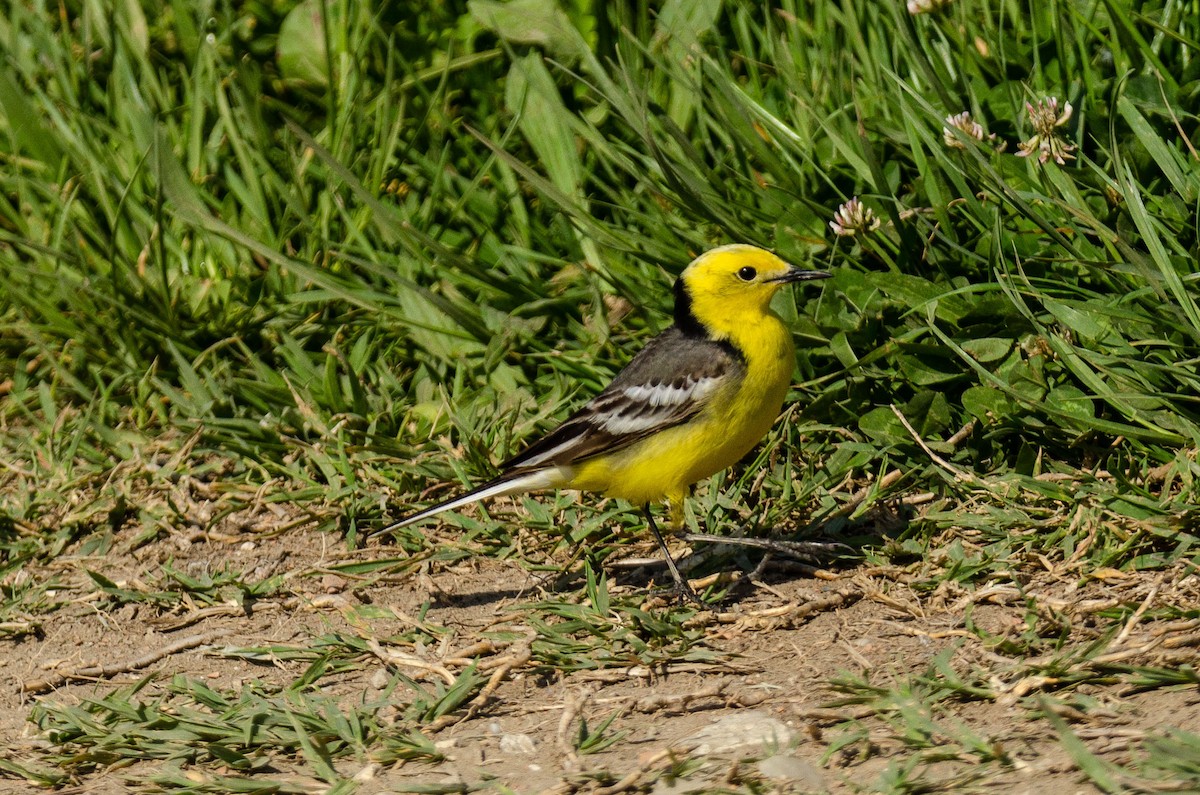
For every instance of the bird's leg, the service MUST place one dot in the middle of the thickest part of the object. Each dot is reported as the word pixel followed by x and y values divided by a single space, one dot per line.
pixel 681 585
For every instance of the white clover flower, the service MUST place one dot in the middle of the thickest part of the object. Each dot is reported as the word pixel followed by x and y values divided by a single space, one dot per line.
pixel 926 6
pixel 969 127
pixel 1045 118
pixel 964 123
pixel 852 218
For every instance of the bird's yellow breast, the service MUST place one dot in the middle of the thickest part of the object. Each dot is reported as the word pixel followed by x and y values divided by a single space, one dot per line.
pixel 735 419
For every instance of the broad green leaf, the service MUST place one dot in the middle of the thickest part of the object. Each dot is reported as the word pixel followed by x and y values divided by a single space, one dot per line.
pixel 988 349
pixel 882 425
pixel 929 413
pixel 1072 402
pixel 301 50
pixel 987 404
pixel 924 365
pixel 1078 320
pixel 532 96
pixel 542 23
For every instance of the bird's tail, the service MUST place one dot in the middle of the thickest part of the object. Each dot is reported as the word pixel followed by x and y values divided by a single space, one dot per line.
pixel 501 486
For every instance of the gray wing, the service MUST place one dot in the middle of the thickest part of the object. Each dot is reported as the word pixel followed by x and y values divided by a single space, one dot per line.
pixel 667 383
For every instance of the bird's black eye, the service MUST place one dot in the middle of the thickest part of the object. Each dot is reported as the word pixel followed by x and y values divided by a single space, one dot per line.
pixel 747 274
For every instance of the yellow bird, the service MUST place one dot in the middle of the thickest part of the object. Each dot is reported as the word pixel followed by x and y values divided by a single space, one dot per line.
pixel 695 400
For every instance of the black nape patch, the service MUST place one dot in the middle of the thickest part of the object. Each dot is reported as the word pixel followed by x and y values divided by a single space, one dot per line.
pixel 685 320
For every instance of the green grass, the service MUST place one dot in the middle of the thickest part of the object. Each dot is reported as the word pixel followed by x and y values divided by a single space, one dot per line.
pixel 230 297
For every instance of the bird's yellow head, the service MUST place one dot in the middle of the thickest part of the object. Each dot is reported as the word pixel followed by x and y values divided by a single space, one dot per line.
pixel 731 286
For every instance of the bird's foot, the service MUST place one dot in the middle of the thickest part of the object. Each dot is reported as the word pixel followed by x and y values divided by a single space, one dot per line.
pixel 683 592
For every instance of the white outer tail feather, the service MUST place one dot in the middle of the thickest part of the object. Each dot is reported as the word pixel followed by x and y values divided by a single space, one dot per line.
pixel 538 479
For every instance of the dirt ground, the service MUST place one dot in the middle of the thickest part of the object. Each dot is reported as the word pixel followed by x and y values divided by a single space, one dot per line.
pixel 769 653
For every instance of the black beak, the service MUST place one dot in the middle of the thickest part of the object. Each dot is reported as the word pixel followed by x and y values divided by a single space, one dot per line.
pixel 798 275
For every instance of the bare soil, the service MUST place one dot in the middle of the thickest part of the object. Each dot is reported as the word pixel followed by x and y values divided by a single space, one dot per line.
pixel 771 651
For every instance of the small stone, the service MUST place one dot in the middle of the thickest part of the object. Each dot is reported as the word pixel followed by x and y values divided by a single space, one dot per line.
pixel 517 744
pixel 670 785
pixel 332 583
pixel 750 732
pixel 789 768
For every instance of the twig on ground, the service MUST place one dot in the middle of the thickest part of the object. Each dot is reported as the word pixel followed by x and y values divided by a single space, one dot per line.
pixel 91 672
pixel 469 654
pixel 400 659
pixel 632 780
pixel 790 615
pixel 645 672
pixel 860 496
pixel 679 702
pixel 1182 641
pixel 963 433
pixel 829 715
pixel 173 623
pixel 572 706
pixel 1137 614
pixel 716 578
pixel 520 656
